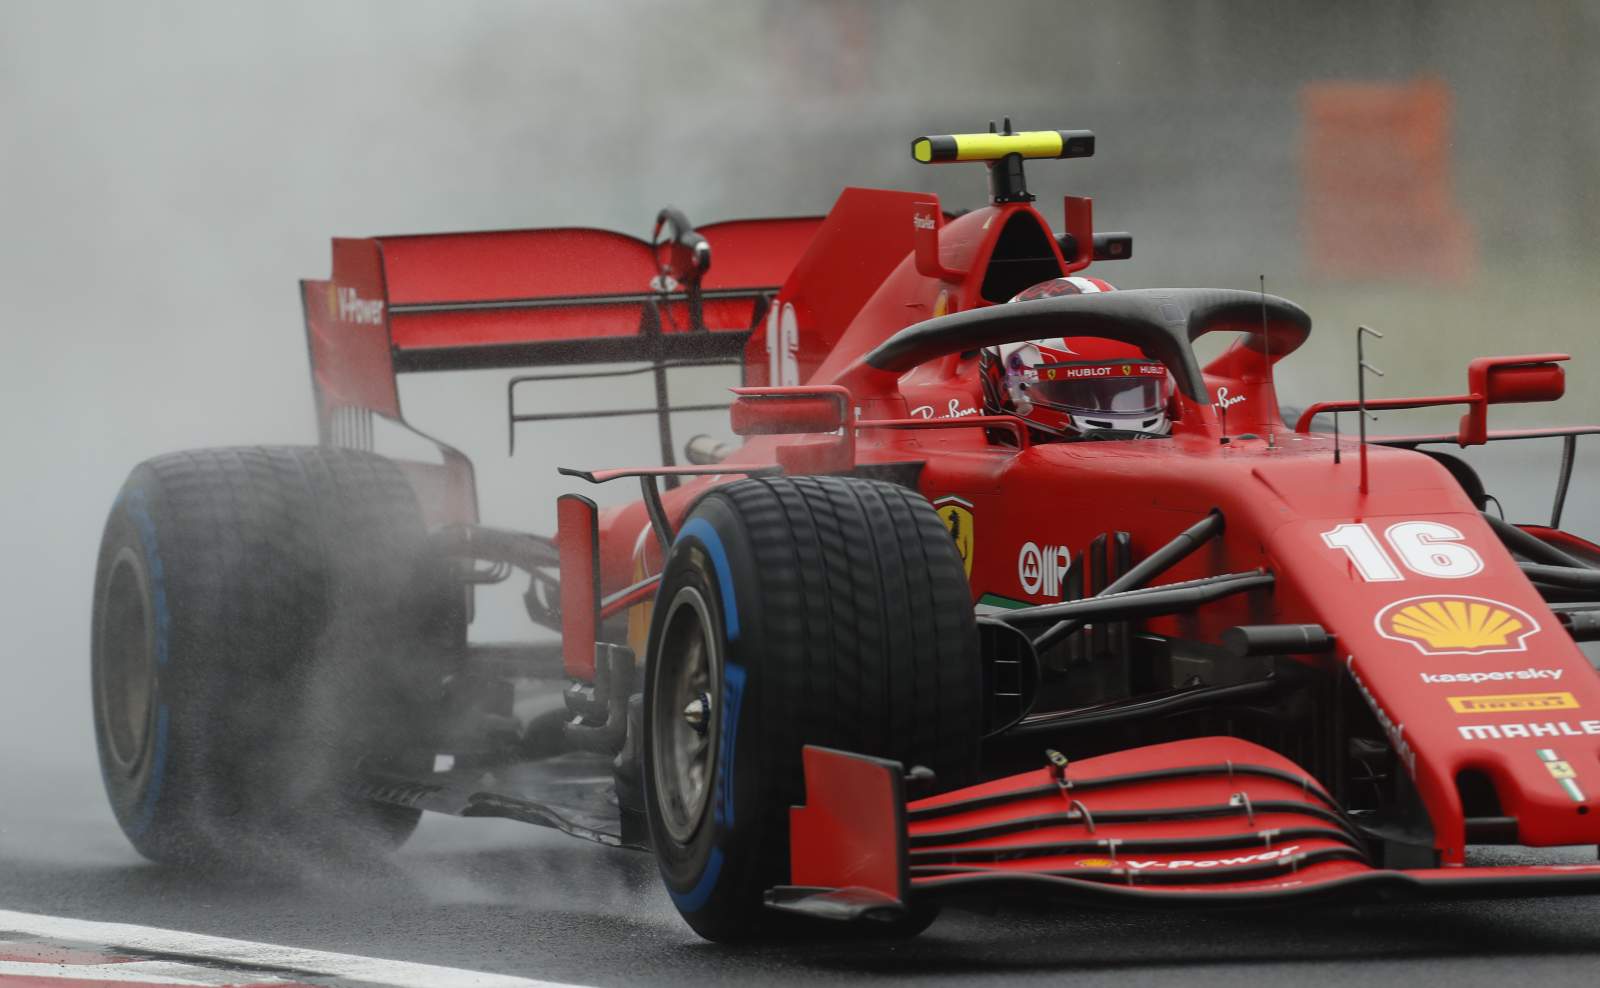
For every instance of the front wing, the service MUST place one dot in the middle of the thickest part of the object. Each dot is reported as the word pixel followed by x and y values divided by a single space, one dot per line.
pixel 1207 822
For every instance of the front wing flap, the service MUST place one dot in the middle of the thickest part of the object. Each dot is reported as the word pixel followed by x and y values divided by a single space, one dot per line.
pixel 1208 821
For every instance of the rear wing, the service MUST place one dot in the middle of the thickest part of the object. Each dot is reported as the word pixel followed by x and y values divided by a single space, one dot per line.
pixel 529 298
pixel 523 298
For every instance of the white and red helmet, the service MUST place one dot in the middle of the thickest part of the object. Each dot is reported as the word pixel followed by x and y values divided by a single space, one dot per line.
pixel 1082 384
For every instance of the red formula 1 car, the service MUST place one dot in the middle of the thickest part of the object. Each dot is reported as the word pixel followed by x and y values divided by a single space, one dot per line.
pixel 995 597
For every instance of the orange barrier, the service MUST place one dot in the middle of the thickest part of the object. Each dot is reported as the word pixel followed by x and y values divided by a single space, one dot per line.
pixel 1377 194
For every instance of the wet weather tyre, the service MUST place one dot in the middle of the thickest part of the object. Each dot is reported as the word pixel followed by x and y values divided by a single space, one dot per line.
pixel 264 620
pixel 792 611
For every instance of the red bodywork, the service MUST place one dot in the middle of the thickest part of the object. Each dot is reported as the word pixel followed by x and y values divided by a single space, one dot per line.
pixel 1406 575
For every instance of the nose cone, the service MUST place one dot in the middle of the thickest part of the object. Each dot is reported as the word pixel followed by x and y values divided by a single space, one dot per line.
pixel 1469 674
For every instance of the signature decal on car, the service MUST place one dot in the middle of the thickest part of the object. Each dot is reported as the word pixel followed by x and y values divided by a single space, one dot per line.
pixel 954 410
pixel 1456 625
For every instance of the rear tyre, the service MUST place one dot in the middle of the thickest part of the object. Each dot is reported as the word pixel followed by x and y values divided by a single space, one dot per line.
pixel 792 611
pixel 265 619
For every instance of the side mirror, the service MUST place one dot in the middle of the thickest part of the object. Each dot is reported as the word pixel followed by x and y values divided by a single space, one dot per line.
pixel 1113 246
pixel 823 416
pixel 787 411
pixel 1106 247
pixel 1508 381
pixel 1508 384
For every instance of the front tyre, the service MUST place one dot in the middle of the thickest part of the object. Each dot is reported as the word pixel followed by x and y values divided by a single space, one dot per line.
pixel 792 611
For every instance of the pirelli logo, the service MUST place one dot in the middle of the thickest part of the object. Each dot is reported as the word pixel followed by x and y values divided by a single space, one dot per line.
pixel 1506 702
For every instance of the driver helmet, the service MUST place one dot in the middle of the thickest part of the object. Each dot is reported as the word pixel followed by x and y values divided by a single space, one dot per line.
pixel 1082 384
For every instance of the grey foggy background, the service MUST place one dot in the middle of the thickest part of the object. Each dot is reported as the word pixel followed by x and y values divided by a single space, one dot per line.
pixel 168 170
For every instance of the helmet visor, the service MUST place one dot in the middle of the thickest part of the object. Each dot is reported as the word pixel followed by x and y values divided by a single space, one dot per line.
pixel 1117 388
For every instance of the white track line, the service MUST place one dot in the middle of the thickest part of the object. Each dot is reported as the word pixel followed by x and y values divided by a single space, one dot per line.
pixel 145 939
pixel 164 973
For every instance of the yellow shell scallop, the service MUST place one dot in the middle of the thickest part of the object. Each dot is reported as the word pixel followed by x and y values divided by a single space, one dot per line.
pixel 1452 624
pixel 1447 623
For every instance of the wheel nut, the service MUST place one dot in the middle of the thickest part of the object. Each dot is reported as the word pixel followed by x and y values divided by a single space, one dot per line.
pixel 697 712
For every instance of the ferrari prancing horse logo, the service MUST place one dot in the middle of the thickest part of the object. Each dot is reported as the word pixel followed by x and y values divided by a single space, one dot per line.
pixel 957 515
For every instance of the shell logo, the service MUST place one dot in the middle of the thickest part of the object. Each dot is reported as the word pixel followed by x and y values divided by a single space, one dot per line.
pixel 1456 625
pixel 1096 863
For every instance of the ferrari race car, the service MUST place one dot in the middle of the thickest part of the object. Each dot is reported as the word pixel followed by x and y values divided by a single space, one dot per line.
pixel 899 645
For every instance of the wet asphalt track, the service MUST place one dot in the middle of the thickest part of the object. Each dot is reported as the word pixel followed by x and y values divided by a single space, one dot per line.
pixel 498 896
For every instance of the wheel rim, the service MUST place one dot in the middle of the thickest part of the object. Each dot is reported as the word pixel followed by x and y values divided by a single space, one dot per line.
pixel 685 715
pixel 127 663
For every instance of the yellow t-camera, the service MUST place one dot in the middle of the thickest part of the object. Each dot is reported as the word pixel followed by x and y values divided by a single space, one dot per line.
pixel 943 148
